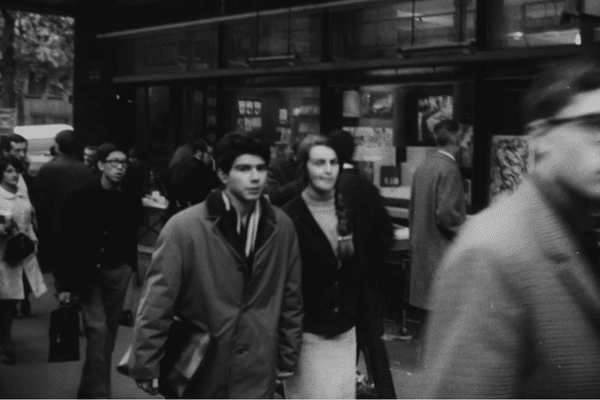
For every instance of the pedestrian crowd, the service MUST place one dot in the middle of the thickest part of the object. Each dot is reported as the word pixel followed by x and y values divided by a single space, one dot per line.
pixel 264 279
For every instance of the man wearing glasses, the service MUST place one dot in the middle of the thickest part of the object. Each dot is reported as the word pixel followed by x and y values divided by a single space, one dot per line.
pixel 99 225
pixel 516 305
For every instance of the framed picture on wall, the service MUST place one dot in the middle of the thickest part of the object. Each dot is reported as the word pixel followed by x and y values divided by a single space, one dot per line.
pixel 431 110
pixel 425 107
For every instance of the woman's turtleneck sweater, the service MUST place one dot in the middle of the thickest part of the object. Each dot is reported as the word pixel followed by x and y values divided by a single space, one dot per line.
pixel 322 208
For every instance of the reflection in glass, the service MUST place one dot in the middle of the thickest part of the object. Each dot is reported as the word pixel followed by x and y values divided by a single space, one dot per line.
pixel 529 23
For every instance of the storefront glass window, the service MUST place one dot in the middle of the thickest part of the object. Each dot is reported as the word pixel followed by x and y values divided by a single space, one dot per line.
pixel 530 23
pixel 383 30
pixel 172 51
pixel 297 35
pixel 281 115
pixel 392 126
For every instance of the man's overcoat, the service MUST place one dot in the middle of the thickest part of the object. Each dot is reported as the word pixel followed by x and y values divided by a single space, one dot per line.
pixel 436 211
pixel 254 312
pixel 516 308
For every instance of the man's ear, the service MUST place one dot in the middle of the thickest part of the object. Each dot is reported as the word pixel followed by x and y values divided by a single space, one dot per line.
pixel 100 165
pixel 223 177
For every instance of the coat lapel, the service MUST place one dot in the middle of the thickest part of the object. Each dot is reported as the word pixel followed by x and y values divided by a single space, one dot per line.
pixel 569 265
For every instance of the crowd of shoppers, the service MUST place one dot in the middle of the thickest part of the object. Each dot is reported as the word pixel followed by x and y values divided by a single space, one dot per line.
pixel 291 294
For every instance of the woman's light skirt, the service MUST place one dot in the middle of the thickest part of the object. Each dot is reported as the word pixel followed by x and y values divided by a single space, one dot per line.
pixel 326 368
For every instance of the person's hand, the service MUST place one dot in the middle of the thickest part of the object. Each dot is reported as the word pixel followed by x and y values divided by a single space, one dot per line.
pixel 149 386
pixel 64 297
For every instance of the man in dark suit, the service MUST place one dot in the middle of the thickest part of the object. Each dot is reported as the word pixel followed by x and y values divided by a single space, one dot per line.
pixel 99 226
pixel 517 299
pixel 375 237
pixel 55 180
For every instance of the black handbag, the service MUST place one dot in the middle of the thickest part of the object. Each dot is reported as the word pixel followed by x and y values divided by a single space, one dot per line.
pixel 187 351
pixel 18 247
pixel 64 334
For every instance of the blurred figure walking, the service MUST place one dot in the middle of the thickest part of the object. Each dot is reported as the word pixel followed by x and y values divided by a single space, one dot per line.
pixel 17 215
pixel 99 225
pixel 517 300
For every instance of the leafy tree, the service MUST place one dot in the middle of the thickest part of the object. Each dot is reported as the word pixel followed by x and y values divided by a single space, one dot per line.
pixel 39 43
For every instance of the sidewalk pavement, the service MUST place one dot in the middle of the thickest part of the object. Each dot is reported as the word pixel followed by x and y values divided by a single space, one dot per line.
pixel 33 377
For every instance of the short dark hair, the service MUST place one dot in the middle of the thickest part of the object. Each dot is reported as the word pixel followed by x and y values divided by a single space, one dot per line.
pixel 343 144
pixel 235 144
pixel 5 161
pixel 6 140
pixel 445 130
pixel 105 149
pixel 556 86
pixel 198 144
pixel 65 140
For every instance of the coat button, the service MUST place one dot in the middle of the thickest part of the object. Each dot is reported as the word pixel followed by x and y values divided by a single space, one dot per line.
pixel 98 265
pixel 336 283
pixel 102 250
pixel 336 310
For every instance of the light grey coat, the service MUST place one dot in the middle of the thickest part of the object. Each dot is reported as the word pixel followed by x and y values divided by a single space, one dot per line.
pixel 437 210
pixel 516 308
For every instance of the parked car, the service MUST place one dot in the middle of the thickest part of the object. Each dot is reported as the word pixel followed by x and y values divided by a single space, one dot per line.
pixel 41 139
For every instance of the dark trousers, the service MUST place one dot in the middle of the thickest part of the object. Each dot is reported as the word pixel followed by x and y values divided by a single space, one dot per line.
pixel 369 341
pixel 6 320
pixel 101 311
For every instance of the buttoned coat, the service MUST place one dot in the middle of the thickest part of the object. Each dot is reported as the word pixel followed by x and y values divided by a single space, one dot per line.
pixel 516 308
pixel 436 212
pixel 11 277
pixel 255 315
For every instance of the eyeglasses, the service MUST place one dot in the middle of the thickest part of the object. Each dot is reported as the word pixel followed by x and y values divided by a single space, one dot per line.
pixel 118 163
pixel 591 120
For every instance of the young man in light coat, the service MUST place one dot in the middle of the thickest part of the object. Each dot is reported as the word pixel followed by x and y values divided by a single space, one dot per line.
pixel 230 266
pixel 516 304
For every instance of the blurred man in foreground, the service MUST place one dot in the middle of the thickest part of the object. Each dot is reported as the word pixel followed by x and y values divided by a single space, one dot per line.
pixel 517 300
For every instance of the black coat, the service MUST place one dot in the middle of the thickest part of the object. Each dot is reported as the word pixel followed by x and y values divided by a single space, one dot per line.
pixel 99 230
pixel 329 293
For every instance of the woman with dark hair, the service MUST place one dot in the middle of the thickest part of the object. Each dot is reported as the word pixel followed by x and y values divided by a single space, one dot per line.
pixel 16 215
pixel 326 368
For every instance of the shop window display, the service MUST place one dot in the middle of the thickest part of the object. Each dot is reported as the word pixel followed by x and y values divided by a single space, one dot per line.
pixel 281 115
pixel 392 126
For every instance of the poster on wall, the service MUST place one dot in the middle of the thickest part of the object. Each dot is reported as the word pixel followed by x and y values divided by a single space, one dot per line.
pixel 430 111
pixel 511 157
pixel 376 104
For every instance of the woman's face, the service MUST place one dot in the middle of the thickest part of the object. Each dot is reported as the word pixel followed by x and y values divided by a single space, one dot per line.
pixel 10 177
pixel 323 168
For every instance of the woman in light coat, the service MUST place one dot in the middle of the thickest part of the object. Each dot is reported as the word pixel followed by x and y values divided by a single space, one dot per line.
pixel 16 211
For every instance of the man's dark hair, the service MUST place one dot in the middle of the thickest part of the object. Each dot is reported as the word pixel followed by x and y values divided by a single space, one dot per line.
pixel 105 149
pixel 5 161
pixel 343 144
pixel 65 140
pixel 556 86
pixel 6 140
pixel 445 130
pixel 235 144
pixel 198 144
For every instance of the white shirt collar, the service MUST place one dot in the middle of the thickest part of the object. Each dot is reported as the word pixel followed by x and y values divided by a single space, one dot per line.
pixel 447 154
pixel 8 195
